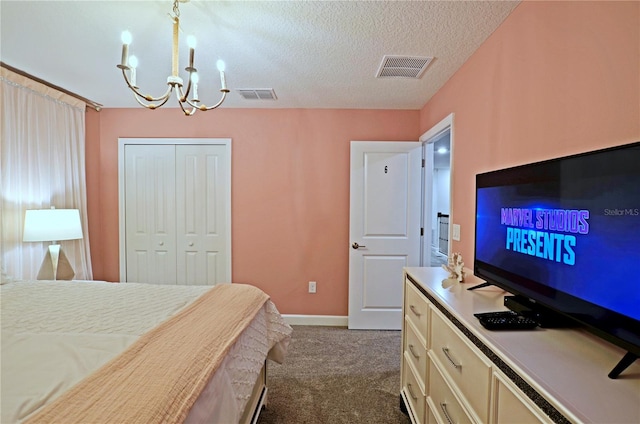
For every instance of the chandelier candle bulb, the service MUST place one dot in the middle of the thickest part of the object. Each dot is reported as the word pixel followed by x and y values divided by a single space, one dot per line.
pixel 134 64
pixel 223 80
pixel 194 79
pixel 191 42
pixel 133 77
pixel 125 54
pixel 126 40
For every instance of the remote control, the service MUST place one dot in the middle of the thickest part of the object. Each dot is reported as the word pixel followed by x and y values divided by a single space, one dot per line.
pixel 499 314
pixel 508 322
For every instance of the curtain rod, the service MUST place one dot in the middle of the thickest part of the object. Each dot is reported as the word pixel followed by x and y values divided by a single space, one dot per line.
pixel 94 105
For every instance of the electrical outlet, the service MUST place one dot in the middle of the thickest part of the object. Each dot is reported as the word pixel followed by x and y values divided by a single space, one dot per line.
pixel 312 286
pixel 456 232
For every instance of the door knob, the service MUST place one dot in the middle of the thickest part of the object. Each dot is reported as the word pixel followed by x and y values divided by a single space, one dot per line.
pixel 161 243
pixel 190 243
pixel 356 245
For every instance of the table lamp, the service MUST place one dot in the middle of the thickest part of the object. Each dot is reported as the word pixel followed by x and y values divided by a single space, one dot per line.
pixel 41 225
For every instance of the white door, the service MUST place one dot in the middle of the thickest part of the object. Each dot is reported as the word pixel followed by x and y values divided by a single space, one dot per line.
pixel 175 211
pixel 384 227
pixel 150 214
pixel 201 214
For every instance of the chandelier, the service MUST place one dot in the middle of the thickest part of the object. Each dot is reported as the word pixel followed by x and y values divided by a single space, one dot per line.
pixel 188 105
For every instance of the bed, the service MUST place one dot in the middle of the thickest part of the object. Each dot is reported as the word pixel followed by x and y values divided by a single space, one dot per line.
pixel 103 352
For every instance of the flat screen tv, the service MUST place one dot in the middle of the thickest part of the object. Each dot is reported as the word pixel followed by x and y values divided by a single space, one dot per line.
pixel 563 235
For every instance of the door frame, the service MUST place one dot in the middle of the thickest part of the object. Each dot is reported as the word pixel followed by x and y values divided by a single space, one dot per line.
pixel 122 142
pixel 427 138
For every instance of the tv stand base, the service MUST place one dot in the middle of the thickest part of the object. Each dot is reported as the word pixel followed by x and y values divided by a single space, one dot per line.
pixel 478 286
pixel 627 360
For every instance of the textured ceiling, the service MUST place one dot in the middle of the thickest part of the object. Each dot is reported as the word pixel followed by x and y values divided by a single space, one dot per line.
pixel 314 54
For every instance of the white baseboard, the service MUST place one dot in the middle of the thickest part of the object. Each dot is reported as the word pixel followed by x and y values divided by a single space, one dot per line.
pixel 324 320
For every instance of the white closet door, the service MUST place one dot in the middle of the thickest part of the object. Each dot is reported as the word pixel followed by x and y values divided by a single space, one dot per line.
pixel 150 196
pixel 201 210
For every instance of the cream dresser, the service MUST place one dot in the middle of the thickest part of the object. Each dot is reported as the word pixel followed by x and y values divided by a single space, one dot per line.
pixel 455 371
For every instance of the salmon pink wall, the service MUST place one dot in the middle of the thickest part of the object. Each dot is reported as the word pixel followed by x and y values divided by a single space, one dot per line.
pixel 290 191
pixel 556 78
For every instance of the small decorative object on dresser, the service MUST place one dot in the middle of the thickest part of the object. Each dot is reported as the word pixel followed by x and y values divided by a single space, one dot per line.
pixel 455 267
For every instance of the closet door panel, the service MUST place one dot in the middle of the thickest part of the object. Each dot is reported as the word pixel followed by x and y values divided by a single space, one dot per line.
pixel 201 199
pixel 150 214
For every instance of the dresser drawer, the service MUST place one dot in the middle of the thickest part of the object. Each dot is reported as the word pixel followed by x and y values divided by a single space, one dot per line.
pixel 512 405
pixel 442 403
pixel 465 365
pixel 415 352
pixel 413 393
pixel 417 309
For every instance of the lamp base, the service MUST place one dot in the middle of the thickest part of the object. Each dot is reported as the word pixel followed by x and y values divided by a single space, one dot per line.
pixel 64 271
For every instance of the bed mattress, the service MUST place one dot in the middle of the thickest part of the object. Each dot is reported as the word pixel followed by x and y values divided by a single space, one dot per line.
pixel 56 333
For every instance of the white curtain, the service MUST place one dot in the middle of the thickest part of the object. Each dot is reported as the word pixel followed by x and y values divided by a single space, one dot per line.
pixel 42 164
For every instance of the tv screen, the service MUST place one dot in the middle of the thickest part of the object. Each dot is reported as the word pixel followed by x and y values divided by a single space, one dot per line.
pixel 565 233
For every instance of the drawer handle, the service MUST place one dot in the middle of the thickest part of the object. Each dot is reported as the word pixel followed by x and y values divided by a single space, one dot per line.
pixel 414 310
pixel 411 392
pixel 443 406
pixel 446 353
pixel 412 352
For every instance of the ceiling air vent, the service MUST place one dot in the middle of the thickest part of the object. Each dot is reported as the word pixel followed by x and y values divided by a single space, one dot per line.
pixel 403 66
pixel 257 93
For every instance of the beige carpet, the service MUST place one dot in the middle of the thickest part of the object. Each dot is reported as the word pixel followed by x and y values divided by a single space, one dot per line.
pixel 334 375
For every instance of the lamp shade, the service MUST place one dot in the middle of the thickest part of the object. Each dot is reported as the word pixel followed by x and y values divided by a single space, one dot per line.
pixel 52 225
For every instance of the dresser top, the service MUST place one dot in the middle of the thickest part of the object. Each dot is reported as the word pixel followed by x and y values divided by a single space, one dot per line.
pixel 568 367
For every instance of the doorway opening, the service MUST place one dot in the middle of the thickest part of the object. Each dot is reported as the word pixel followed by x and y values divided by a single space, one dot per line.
pixel 437 147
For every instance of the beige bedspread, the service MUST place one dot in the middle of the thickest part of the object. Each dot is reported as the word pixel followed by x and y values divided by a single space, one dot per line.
pixel 56 333
pixel 160 376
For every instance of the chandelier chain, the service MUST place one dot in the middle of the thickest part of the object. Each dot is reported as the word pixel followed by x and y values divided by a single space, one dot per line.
pixel 176 9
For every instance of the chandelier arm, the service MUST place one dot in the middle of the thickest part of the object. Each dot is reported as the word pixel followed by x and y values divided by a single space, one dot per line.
pixel 203 107
pixel 183 94
pixel 181 103
pixel 187 112
pixel 147 97
pixel 152 105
